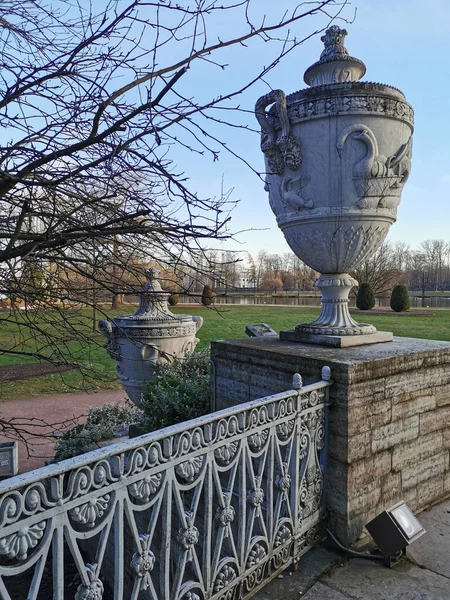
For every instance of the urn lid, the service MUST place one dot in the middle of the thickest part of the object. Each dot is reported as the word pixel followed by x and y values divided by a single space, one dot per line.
pixel 335 64
pixel 153 311
pixel 153 299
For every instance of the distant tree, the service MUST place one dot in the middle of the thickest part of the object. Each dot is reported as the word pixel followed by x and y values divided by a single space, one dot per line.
pixel 228 268
pixel 400 298
pixel 304 276
pixel 380 270
pixel 365 300
pixel 260 266
pixel 32 280
pixel 271 283
pixel 289 281
pixel 207 296
pixel 252 271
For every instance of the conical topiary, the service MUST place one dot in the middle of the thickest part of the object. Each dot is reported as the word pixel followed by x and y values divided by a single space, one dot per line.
pixel 207 296
pixel 173 299
pixel 400 298
pixel 365 300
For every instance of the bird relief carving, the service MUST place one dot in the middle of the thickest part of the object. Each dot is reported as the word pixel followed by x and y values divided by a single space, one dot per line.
pixel 378 179
pixel 291 192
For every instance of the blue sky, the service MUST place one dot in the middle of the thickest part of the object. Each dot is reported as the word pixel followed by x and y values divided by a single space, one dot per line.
pixel 403 43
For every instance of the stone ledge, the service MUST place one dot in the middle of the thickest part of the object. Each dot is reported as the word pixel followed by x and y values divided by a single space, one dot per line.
pixel 349 365
pixel 336 341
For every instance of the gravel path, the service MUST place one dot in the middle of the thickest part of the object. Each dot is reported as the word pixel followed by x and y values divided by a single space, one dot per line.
pixel 51 409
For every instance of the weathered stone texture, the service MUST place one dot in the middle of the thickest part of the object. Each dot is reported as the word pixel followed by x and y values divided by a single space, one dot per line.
pixel 443 395
pixel 447 483
pixel 430 490
pixel 416 450
pixel 423 470
pixel 394 434
pixel 360 447
pixel 391 486
pixel 414 406
pixel 389 426
pixel 435 420
pixel 371 468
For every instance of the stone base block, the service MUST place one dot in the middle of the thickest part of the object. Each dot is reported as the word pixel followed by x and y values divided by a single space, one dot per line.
pixel 389 426
pixel 336 341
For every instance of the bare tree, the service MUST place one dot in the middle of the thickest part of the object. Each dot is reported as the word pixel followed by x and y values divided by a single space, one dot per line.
pixel 381 270
pixel 260 266
pixel 271 282
pixel 92 105
pixel 434 252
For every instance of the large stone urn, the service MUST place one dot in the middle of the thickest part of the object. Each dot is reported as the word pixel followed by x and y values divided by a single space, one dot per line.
pixel 337 156
pixel 141 342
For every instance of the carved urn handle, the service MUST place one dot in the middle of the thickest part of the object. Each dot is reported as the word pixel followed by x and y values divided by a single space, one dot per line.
pixel 284 151
pixel 198 322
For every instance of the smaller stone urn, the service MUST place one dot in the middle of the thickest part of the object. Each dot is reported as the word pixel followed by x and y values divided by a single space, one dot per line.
pixel 141 342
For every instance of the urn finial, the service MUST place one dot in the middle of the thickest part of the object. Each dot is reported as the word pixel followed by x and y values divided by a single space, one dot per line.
pixel 334 43
pixel 152 283
pixel 153 299
pixel 335 64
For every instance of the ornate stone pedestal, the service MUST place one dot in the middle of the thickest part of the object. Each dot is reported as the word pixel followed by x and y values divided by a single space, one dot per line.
pixel 335 325
pixel 389 427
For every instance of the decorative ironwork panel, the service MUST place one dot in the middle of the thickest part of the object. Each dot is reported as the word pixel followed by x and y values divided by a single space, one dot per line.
pixel 209 509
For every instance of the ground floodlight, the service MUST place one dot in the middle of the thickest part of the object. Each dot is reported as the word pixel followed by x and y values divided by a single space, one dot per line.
pixel 394 529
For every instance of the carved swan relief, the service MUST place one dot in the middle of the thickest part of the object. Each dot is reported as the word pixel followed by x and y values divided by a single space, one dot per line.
pixel 373 164
pixel 284 151
pixel 378 178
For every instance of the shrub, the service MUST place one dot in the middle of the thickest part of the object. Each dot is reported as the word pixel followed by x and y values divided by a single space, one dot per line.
pixel 173 299
pixel 178 393
pixel 365 300
pixel 400 298
pixel 100 424
pixel 207 296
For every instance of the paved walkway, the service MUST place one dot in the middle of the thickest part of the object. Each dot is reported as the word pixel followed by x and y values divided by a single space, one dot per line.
pixel 424 574
pixel 51 409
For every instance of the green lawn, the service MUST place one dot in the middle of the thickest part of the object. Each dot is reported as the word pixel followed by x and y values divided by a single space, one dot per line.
pixel 229 323
pixel 445 294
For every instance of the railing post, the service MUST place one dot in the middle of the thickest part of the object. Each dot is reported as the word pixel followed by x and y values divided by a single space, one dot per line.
pixel 297 384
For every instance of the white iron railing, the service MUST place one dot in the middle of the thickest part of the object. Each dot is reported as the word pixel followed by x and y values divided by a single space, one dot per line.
pixel 209 509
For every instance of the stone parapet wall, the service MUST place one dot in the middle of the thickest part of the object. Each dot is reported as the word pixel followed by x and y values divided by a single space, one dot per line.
pixel 389 427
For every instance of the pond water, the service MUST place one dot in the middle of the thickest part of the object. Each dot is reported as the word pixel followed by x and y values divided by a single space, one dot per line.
pixel 261 299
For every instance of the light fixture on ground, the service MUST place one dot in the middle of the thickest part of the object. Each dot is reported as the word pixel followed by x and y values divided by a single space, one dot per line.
pixel 394 529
